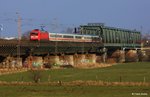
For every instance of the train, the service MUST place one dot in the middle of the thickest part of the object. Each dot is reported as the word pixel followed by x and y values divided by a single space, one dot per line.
pixel 92 32
pixel 39 35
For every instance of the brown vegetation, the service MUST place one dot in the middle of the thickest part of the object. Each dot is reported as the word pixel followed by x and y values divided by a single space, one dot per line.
pixel 12 70
pixel 92 65
pixel 78 83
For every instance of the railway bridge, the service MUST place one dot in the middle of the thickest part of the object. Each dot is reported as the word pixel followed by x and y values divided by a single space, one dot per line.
pixel 54 51
pixel 11 47
pixel 119 45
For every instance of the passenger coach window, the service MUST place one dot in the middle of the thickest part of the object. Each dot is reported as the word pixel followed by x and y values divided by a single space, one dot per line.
pixel 52 35
pixel 59 35
pixel 87 37
pixel 65 36
pixel 55 35
pixel 78 37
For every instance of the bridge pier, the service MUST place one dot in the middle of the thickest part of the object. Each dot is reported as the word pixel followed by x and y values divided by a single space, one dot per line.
pixel 98 59
pixel 79 59
pixel 18 62
pixel 54 60
pixel 33 62
pixel 131 56
pixel 28 62
pixel 11 62
pixel 68 60
pixel 119 56
pixel 37 62
pixel 91 58
pixel 122 56
pixel 104 55
pixel 76 60
pixel 143 56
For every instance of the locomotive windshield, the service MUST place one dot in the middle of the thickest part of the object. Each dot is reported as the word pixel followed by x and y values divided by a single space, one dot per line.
pixel 34 33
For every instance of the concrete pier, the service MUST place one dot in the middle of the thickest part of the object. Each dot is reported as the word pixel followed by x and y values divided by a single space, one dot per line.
pixel 131 56
pixel 122 56
pixel 143 56
pixel 54 60
pixel 119 56
pixel 69 59
pixel 28 62
pixel 99 59
pixel 104 57
pixel 37 62
pixel 66 60
pixel 79 59
pixel 12 62
pixel 91 58
pixel 18 62
pixel 33 62
pixel 76 60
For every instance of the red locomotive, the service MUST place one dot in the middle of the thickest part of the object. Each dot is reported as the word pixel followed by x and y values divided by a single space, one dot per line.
pixel 39 35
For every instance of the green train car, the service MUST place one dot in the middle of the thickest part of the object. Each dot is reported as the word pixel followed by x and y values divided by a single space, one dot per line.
pixel 112 36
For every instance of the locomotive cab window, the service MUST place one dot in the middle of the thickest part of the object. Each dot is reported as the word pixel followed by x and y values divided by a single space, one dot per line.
pixel 34 33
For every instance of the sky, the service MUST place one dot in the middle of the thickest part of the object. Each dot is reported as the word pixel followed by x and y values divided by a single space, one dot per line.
pixel 57 15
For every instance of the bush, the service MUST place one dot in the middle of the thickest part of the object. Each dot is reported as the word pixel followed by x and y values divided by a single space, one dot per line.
pixel 36 75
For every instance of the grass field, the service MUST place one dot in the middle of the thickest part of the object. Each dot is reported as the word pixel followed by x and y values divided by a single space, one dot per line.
pixel 128 72
pixel 76 91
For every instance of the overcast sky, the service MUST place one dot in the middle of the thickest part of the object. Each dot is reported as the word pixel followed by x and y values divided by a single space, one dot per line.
pixel 60 14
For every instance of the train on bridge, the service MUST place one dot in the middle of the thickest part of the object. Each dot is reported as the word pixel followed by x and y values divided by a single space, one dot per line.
pixel 39 35
pixel 93 38
pixel 90 38
pixel 93 32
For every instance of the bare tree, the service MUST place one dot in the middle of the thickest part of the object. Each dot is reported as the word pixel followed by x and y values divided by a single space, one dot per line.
pixel 36 75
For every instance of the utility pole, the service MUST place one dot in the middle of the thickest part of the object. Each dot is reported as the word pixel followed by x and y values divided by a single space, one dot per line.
pixel 83 44
pixel 19 36
pixel 55 29
pixel 19 26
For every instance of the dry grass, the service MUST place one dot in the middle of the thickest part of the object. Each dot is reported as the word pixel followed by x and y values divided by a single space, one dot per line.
pixel 12 70
pixel 77 83
pixel 92 65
